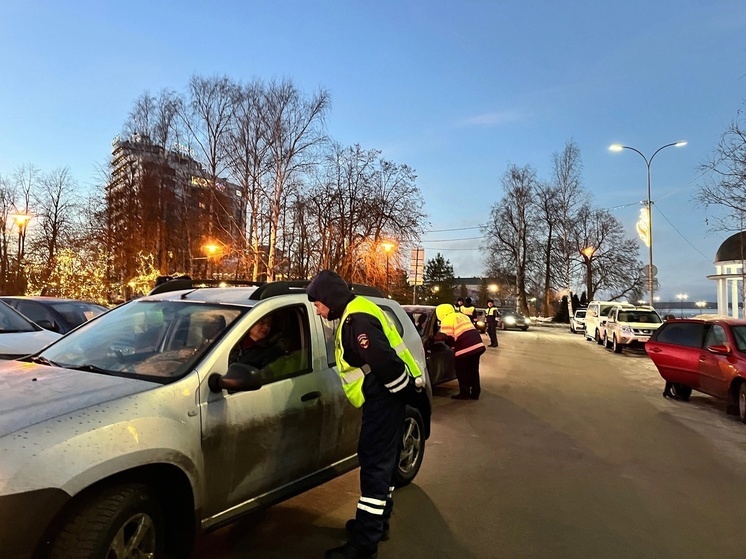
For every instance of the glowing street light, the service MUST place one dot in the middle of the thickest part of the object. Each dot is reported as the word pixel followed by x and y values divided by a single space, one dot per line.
pixel 647 228
pixel 388 246
pixel 681 297
pixel 701 305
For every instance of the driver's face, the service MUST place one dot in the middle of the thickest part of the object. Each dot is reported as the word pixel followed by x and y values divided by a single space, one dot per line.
pixel 321 309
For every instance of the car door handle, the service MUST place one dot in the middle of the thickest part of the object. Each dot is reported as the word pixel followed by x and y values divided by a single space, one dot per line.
pixel 655 349
pixel 310 396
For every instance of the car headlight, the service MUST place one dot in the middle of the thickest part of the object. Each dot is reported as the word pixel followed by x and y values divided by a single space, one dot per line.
pixel 510 320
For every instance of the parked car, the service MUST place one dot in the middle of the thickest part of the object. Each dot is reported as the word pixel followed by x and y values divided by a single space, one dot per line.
pixel 439 356
pixel 706 353
pixel 630 327
pixel 577 321
pixel 58 315
pixel 139 429
pixel 19 336
pixel 595 318
pixel 512 319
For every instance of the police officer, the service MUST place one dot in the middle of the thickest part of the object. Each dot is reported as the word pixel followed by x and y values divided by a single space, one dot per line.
pixel 468 309
pixel 380 375
pixel 492 315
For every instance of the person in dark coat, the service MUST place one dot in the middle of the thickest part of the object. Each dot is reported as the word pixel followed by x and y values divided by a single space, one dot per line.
pixel 457 331
pixel 385 389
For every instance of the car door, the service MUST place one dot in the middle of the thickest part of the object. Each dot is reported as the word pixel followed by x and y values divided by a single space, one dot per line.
pixel 675 349
pixel 715 369
pixel 441 363
pixel 256 442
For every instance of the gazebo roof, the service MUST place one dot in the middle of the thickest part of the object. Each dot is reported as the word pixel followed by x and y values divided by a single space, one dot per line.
pixel 733 248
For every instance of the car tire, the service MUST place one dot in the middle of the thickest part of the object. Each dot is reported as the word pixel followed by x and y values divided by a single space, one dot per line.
pixel 616 346
pixel 524 328
pixel 413 448
pixel 572 330
pixel 742 402
pixel 598 339
pixel 681 391
pixel 100 523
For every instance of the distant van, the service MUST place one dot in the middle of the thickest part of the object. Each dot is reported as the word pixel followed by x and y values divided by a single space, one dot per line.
pixel 595 318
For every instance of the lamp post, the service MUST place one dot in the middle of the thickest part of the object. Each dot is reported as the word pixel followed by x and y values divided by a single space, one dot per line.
pixel 211 250
pixel 387 247
pixel 588 253
pixel 619 147
pixel 681 297
pixel 701 305
pixel 21 219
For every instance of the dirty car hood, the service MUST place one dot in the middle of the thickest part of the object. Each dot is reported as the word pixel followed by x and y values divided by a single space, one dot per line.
pixel 31 393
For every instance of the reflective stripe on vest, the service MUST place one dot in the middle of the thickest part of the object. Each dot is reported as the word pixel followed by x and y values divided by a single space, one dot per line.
pixel 353 377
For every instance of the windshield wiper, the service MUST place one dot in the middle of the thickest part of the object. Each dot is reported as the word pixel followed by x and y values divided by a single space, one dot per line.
pixel 42 361
pixel 90 368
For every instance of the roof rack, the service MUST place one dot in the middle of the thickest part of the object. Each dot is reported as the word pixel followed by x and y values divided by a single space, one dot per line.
pixel 264 290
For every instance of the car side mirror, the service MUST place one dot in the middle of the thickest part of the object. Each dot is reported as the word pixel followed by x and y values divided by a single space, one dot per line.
pixel 239 378
pixel 719 349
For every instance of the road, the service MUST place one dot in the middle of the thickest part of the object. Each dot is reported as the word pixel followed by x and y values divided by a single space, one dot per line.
pixel 571 452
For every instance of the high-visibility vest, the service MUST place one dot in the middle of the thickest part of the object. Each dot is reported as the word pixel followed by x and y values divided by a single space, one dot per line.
pixel 491 311
pixel 353 377
pixel 468 311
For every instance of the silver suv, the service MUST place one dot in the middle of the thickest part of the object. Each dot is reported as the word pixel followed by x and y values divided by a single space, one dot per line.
pixel 630 327
pixel 142 428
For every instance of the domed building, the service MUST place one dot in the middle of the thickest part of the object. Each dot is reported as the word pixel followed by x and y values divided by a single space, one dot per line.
pixel 729 261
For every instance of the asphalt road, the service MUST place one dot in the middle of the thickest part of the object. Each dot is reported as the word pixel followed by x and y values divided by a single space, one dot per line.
pixel 571 452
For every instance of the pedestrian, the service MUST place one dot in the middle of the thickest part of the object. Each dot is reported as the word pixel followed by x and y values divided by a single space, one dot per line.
pixel 380 375
pixel 468 309
pixel 458 332
pixel 492 315
pixel 459 304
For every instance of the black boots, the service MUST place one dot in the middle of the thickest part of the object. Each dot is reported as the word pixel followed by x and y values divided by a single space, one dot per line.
pixel 461 397
pixel 351 523
pixel 348 551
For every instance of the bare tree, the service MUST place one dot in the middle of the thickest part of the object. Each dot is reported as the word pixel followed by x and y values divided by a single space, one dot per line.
pixel 294 128
pixel 510 230
pixel 56 205
pixel 548 206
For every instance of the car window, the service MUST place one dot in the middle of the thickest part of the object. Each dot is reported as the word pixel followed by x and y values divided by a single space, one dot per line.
pixel 579 314
pixel 36 312
pixel 739 334
pixel 716 336
pixel 606 310
pixel 687 334
pixel 278 344
pixel 11 321
pixel 76 313
pixel 389 312
pixel 329 327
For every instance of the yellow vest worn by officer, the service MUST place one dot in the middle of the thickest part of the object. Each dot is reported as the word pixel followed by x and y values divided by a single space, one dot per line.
pixel 353 377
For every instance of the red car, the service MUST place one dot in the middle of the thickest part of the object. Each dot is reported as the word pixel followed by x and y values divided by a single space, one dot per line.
pixel 704 353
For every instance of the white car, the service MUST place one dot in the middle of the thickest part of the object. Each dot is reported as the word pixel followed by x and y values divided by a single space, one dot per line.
pixel 145 426
pixel 577 321
pixel 19 336
pixel 630 327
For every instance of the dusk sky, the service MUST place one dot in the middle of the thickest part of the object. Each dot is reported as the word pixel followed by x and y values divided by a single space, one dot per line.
pixel 456 90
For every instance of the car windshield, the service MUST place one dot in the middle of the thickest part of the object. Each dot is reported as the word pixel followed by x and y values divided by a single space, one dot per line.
pixel 12 322
pixel 579 314
pixel 154 340
pixel 639 316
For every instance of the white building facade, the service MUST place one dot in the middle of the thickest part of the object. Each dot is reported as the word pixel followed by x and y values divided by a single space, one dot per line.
pixel 729 275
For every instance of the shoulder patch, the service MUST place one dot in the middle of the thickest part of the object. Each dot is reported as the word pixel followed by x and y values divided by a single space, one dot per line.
pixel 363 341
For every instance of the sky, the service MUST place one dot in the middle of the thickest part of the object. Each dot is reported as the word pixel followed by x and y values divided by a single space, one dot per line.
pixel 456 90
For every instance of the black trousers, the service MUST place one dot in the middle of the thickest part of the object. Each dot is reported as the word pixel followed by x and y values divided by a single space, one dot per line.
pixel 378 452
pixel 492 332
pixel 467 373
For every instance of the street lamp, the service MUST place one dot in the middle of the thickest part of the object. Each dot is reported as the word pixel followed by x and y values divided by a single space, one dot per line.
pixel 388 246
pixel 619 147
pixel 588 253
pixel 211 250
pixel 681 297
pixel 701 305
pixel 21 219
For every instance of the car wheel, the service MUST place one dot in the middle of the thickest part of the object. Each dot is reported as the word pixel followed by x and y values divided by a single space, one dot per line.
pixel 742 402
pixel 598 339
pixel 524 328
pixel 682 392
pixel 572 330
pixel 123 521
pixel 413 448
pixel 617 346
